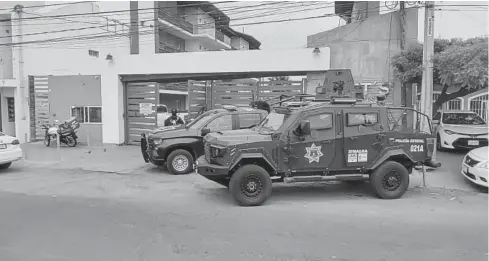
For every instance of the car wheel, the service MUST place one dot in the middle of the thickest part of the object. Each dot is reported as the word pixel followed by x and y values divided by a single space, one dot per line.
pixel 180 162
pixel 250 185
pixel 6 165
pixel 390 180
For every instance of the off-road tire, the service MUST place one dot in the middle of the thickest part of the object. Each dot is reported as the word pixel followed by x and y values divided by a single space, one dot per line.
pixel 258 178
pixel 186 156
pixel 382 177
pixel 6 165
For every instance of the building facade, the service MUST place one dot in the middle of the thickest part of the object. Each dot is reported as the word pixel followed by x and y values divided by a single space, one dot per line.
pixel 88 60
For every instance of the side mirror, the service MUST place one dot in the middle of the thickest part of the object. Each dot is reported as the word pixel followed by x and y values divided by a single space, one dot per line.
pixel 205 131
pixel 305 128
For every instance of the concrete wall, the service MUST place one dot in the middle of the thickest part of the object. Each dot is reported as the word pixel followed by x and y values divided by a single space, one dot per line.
pixel 364 46
pixel 240 43
pixel 204 24
pixel 78 91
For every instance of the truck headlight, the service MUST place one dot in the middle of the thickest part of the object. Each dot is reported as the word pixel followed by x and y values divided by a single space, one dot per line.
pixel 484 165
pixel 157 141
pixel 217 151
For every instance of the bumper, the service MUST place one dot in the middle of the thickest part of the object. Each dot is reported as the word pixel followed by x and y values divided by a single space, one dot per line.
pixel 475 174
pixel 10 155
pixel 462 142
pixel 150 155
pixel 206 169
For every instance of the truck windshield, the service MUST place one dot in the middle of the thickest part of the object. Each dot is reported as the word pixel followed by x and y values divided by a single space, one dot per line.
pixel 273 121
pixel 200 120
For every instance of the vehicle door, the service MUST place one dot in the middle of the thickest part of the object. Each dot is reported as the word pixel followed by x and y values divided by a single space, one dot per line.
pixel 314 152
pixel 363 140
pixel 248 120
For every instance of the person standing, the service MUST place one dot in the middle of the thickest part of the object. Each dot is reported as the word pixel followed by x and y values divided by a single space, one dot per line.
pixel 174 119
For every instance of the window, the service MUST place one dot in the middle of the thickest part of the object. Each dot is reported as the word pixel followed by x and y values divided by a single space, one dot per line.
pixel 321 121
pixel 11 109
pixel 354 119
pixel 87 114
pixel 93 53
pixel 221 123
pixel 248 120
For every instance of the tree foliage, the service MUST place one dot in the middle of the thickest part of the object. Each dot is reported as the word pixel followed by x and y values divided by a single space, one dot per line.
pixel 457 63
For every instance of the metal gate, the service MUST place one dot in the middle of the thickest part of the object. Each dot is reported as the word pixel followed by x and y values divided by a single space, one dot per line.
pixel 478 105
pixel 141 101
pixel 39 106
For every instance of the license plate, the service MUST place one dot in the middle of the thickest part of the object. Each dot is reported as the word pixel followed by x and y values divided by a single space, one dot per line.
pixel 3 146
pixel 473 142
pixel 465 169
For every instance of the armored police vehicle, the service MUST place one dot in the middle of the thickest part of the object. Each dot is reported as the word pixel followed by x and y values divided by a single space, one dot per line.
pixel 339 139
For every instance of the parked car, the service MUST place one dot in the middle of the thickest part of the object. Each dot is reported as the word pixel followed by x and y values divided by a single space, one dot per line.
pixel 10 150
pixel 162 113
pixel 459 130
pixel 474 166
pixel 178 147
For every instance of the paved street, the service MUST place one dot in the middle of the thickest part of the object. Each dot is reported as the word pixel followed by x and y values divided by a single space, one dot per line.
pixel 81 215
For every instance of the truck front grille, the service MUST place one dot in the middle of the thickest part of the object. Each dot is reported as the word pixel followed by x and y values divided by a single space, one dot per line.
pixel 207 151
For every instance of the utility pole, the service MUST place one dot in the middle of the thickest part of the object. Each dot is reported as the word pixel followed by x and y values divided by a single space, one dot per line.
pixel 428 51
pixel 402 29
pixel 20 97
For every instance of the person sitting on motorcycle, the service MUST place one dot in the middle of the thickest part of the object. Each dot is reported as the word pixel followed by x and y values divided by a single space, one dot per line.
pixel 174 119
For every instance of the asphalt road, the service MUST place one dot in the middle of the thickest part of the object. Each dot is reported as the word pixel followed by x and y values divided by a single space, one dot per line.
pixel 58 216
pixel 449 176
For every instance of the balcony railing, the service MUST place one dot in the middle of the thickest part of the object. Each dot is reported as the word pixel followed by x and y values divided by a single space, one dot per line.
pixel 176 21
pixel 219 36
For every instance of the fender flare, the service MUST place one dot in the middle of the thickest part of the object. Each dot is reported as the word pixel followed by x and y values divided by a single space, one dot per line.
pixel 389 153
pixel 178 142
pixel 252 155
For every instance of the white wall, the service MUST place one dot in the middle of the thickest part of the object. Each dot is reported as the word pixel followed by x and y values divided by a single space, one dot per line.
pixel 205 24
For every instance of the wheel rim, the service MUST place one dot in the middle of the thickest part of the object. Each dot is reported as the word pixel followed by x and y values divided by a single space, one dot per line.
pixel 252 186
pixel 70 141
pixel 391 181
pixel 180 163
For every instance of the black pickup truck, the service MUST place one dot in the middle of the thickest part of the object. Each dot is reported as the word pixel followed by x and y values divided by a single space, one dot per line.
pixel 178 147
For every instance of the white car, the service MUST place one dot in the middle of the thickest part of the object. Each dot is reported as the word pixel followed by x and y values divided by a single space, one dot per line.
pixel 10 150
pixel 474 166
pixel 459 130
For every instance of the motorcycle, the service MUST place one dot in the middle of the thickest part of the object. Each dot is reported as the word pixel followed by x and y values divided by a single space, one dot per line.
pixel 65 131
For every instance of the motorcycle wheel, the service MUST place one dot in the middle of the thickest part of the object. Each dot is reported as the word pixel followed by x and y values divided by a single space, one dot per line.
pixel 70 141
pixel 47 141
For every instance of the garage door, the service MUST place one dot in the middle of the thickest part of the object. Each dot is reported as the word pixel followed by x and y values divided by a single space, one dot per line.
pixel 141 101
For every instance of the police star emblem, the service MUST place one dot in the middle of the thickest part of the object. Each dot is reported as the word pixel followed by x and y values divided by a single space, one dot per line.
pixel 313 153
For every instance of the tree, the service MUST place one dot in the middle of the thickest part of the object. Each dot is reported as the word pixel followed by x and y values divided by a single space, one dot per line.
pixel 457 63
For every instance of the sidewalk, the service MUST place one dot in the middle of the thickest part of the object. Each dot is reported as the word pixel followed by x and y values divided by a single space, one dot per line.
pixel 107 158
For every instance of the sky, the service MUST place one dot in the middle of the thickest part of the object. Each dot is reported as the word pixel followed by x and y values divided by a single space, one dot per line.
pixel 450 22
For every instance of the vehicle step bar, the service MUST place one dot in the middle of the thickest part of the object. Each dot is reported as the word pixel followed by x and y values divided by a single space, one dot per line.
pixel 344 177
